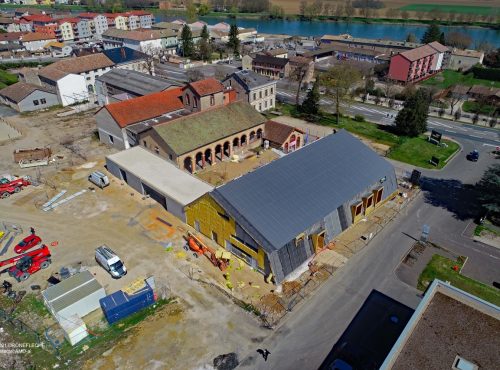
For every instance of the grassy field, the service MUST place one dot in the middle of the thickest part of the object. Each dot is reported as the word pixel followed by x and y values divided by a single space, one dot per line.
pixel 448 78
pixel 448 8
pixel 415 151
pixel 6 79
pixel 442 268
pixel 418 151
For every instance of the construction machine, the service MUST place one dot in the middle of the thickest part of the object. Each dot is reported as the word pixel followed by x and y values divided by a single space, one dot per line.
pixel 200 248
pixel 10 185
pixel 27 264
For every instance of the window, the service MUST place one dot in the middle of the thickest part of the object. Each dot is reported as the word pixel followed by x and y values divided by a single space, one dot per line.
pixel 36 102
pixel 188 100
pixel 254 96
pixel 157 150
pixel 260 94
pixel 111 139
pixel 212 100
pixel 43 101
pixel 195 103
pixel 260 107
pixel 215 238
pixel 265 104
pixel 271 102
pixel 144 143
pixel 265 92
pixel 170 157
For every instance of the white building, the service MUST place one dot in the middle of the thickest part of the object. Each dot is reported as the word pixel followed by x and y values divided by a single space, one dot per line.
pixel 35 41
pixel 138 40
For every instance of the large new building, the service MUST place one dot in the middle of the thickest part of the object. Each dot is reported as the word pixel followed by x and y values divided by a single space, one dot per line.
pixel 418 64
pixel 450 329
pixel 279 215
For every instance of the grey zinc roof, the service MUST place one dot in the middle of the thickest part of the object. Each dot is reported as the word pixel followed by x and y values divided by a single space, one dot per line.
pixel 277 202
pixel 251 80
pixel 71 290
pixel 135 82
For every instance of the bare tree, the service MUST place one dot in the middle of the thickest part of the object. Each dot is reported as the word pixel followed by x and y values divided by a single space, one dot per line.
pixel 458 40
pixel 388 89
pixel 454 97
pixel 151 54
pixel 338 80
pixel 298 73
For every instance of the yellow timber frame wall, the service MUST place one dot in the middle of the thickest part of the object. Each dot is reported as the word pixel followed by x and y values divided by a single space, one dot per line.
pixel 211 217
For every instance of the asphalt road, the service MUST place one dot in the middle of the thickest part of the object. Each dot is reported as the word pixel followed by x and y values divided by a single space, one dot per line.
pixel 482 136
pixel 446 204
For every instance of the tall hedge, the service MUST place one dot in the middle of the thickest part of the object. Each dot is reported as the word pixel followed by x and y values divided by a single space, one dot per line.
pixel 492 74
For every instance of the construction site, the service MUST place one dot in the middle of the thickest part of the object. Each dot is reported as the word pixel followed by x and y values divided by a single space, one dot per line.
pixel 63 217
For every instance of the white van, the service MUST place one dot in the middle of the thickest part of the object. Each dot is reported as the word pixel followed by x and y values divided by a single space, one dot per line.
pixel 110 261
pixel 99 179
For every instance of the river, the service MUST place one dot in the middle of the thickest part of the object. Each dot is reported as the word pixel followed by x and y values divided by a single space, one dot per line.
pixel 373 31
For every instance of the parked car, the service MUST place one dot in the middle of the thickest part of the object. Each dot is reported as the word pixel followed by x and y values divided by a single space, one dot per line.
pixel 99 179
pixel 110 261
pixel 27 243
pixel 473 156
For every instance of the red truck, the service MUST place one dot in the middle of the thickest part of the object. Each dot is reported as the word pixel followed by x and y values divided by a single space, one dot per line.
pixel 10 185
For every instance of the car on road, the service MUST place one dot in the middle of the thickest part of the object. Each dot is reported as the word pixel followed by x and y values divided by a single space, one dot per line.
pixel 473 156
pixel 27 243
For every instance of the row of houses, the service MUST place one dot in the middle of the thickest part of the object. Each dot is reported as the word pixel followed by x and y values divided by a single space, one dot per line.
pixel 68 81
pixel 276 64
pixel 81 27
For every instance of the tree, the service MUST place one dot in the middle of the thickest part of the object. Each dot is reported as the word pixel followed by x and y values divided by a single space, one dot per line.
pixel 412 119
pixel 298 73
pixel 454 97
pixel 492 59
pixel 276 12
pixel 303 7
pixel 391 13
pixel 458 40
pixel 349 10
pixel 488 189
pixel 485 46
pixel 187 44
pixel 337 81
pixel 150 53
pixel 194 75
pixel 204 47
pixel 234 42
pixel 433 33
pixel 203 9
pixel 458 114
pixel 411 37
pixel 310 105
pixel 190 11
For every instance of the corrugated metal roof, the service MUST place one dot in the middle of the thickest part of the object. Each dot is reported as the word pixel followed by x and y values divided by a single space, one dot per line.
pixel 71 290
pixel 287 196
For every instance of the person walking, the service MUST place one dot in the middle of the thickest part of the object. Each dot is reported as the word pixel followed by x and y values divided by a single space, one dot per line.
pixel 264 352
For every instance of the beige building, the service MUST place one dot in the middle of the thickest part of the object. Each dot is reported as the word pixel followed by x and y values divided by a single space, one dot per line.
pixel 202 95
pixel 462 60
pixel 259 91
pixel 205 138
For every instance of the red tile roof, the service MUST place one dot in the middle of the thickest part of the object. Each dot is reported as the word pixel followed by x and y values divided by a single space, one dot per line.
pixel 38 18
pixel 11 36
pixel 418 53
pixel 439 47
pixel 70 20
pixel 145 107
pixel 35 36
pixel 206 87
pixel 277 132
pixel 138 12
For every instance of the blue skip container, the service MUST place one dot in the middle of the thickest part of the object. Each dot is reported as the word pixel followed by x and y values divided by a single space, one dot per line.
pixel 119 305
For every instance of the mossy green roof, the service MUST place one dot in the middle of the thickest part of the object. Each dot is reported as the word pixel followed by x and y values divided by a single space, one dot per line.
pixel 188 133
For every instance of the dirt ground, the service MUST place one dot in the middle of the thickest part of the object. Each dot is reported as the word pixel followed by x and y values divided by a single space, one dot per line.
pixel 127 222
pixel 222 172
